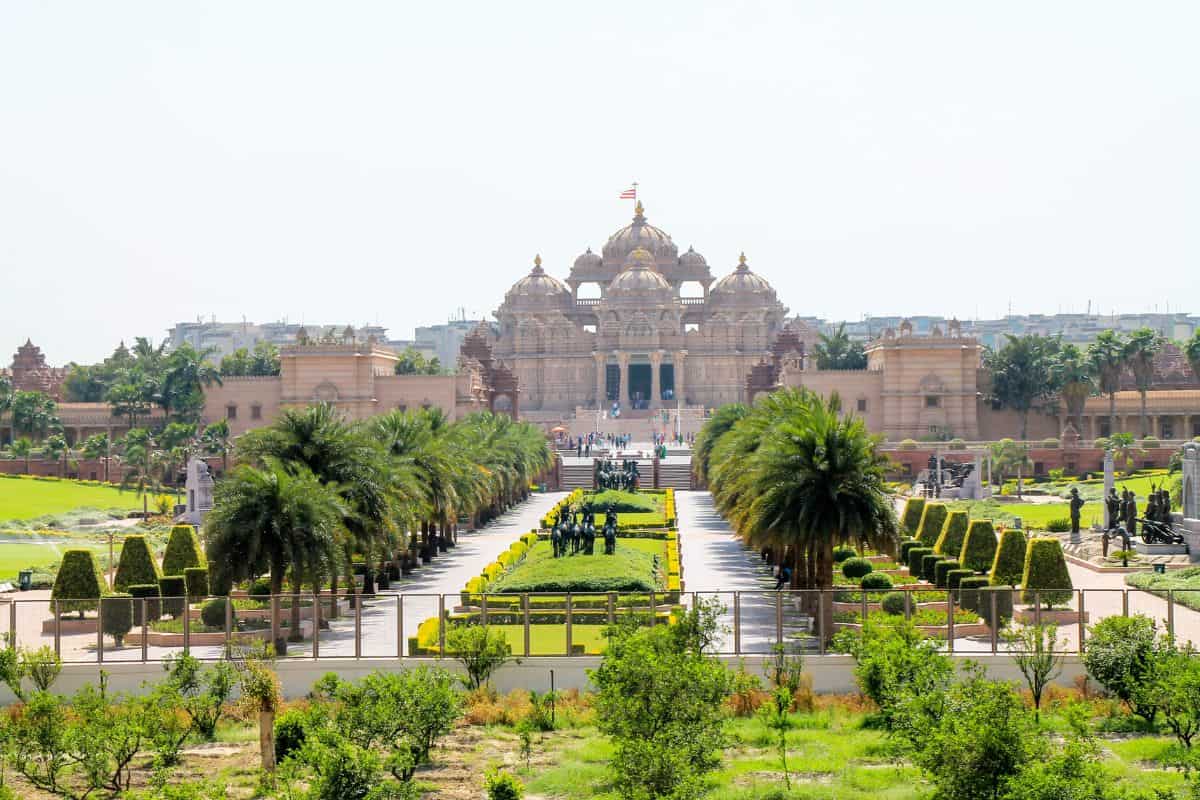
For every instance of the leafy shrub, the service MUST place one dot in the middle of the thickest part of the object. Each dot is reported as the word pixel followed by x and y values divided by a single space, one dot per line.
pixel 200 691
pixel 116 616
pixel 1004 605
pixel 979 548
pixel 915 556
pixel 136 564
pixel 174 595
pixel 503 785
pixel 138 591
pixel 957 444
pixel 1149 442
pixel 212 613
pixel 1009 564
pixel 183 551
pixel 1060 525
pixel 930 527
pixel 481 649
pixel 968 591
pixel 842 552
pixel 906 546
pixel 78 585
pixel 910 520
pixel 893 603
pixel 1120 655
pixel 876 582
pixel 941 570
pixel 908 444
pixel 928 566
pixel 954 530
pixel 854 568
pixel 955 576
pixel 259 588
pixel 195 579
pixel 290 732
pixel 1046 576
pixel 1101 443
pixel 1050 443
pixel 623 502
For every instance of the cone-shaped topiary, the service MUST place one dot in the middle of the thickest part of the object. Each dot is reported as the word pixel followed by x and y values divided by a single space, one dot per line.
pixel 915 556
pixel 954 530
pixel 928 564
pixel 78 584
pixel 906 546
pixel 149 591
pixel 955 576
pixel 183 551
pixel 979 548
pixel 196 580
pixel 932 520
pixel 911 518
pixel 116 616
pixel 1009 564
pixel 969 591
pixel 1046 575
pixel 135 565
pixel 941 570
pixel 855 568
pixel 173 589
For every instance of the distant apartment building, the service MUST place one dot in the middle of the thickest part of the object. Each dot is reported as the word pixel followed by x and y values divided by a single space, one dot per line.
pixel 226 337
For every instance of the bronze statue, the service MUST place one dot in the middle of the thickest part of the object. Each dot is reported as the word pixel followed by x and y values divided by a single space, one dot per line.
pixel 1076 508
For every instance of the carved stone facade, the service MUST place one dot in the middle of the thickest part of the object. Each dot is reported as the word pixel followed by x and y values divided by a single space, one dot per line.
pixel 30 372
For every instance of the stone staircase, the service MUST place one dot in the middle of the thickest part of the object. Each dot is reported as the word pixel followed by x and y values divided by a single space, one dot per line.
pixel 577 476
pixel 675 475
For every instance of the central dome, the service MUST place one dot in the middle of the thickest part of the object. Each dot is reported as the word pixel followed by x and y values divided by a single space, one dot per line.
pixel 638 278
pixel 639 234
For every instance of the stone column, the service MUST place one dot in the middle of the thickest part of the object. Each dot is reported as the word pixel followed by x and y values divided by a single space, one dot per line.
pixel 601 378
pixel 623 386
pixel 1109 483
pixel 1191 481
pixel 656 358
pixel 680 397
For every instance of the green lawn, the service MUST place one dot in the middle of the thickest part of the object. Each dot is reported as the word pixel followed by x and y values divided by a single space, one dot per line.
pixel 26 499
pixel 630 569
pixel 1033 515
pixel 1185 583
pixel 24 553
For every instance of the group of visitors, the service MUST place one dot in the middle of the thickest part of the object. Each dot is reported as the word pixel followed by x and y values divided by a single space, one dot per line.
pixel 582 445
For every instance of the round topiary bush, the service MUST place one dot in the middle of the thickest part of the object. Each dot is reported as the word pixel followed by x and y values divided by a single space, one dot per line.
pixel 150 592
pixel 855 568
pixel 1009 563
pixel 260 589
pixel 78 584
pixel 954 577
pixel 173 589
pixel 908 444
pixel 876 582
pixel 915 555
pixel 968 592
pixel 954 530
pixel 842 553
pixel 196 581
pixel 932 519
pixel 212 613
pixel 905 547
pixel 1046 577
pixel 941 570
pixel 929 564
pixel 893 603
pixel 910 519
pixel 116 616
pixel 1101 443
pixel 979 547
pixel 183 551
pixel 135 565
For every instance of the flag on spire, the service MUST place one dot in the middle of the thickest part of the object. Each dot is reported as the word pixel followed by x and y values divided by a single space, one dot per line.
pixel 630 193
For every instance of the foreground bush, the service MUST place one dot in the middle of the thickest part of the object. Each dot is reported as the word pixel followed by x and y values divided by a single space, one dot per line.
pixel 116 616
pixel 1120 655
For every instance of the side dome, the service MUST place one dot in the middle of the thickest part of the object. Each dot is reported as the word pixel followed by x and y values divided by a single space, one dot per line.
pixel 640 234
pixel 693 260
pixel 537 291
pixel 742 288
pixel 587 261
pixel 638 278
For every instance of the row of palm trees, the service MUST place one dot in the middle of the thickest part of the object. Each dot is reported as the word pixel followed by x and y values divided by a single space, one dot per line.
pixel 312 492
pixel 796 476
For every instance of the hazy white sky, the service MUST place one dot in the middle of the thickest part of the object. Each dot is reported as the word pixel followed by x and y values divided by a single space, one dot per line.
pixel 392 161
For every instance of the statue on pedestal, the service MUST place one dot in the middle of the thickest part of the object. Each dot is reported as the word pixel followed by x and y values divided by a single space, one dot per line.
pixel 1076 508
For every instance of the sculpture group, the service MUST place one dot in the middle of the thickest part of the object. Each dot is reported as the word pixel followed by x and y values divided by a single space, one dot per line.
pixel 623 477
pixel 574 533
pixel 1123 518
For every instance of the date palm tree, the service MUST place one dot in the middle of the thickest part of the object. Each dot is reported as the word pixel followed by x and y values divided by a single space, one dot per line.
pixel 6 398
pixel 215 442
pixel 1022 373
pixel 1075 382
pixel 717 426
pixel 22 448
pixel 1191 349
pixel 1106 360
pixel 272 519
pixel 1141 348
pixel 55 448
pixel 97 448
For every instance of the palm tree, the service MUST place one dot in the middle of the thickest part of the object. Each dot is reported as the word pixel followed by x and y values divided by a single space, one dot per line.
pixel 1191 350
pixel 717 426
pixel 97 448
pixel 1106 360
pixel 1141 348
pixel 1075 382
pixel 143 465
pixel 187 371
pixel 836 351
pixel 272 519
pixel 6 398
pixel 55 448
pixel 22 448
pixel 215 442
pixel 34 414
pixel 1022 373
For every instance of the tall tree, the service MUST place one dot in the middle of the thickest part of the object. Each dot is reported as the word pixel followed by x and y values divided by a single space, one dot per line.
pixel 97 448
pixel 1192 350
pixel 717 426
pixel 34 414
pixel 215 442
pixel 186 373
pixel 1075 382
pixel 22 448
pixel 837 351
pixel 1106 360
pixel 272 519
pixel 6 399
pixel 56 449
pixel 1140 350
pixel 1022 374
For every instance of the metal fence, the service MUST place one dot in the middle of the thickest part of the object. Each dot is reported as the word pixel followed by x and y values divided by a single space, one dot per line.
pixel 389 625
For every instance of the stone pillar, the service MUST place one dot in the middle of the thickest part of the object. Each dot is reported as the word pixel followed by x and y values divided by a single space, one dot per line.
pixel 601 378
pixel 680 397
pixel 656 358
pixel 1109 483
pixel 1191 481
pixel 623 383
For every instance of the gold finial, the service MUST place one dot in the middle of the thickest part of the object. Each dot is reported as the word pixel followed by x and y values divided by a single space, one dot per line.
pixel 742 259
pixel 537 260
pixel 639 209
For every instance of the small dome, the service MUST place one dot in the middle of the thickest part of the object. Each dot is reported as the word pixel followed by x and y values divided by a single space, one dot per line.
pixel 638 277
pixel 588 260
pixel 537 290
pixel 741 287
pixel 640 235
pixel 692 259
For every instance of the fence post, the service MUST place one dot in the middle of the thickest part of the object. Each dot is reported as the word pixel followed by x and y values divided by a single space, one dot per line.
pixel 145 633
pixel 275 628
pixel 1125 602
pixel 316 622
pixel 525 609
pixel 1037 607
pixel 399 625
pixel 907 604
pixel 569 616
pixel 950 622
pixel 100 632
pixel 441 626
pixel 358 601
pixel 228 620
pixel 1082 619
pixel 821 621
pixel 737 623
pixel 779 619
pixel 653 608
pixel 612 608
pixel 995 627
pixel 483 609
pixel 1171 615
pixel 57 631
pixel 187 625
pixel 12 624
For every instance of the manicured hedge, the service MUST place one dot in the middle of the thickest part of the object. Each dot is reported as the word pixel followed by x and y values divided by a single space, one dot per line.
pixel 932 520
pixel 149 591
pixel 183 551
pixel 196 581
pixel 1009 564
pixel 906 546
pixel 876 582
pixel 78 584
pixel 854 568
pixel 955 576
pixel 173 589
pixel 1046 573
pixel 915 555
pixel 954 530
pixel 979 548
pixel 116 616
pixel 911 518
pixel 941 570
pixel 135 565
pixel 969 591
pixel 1004 605
pixel 928 564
